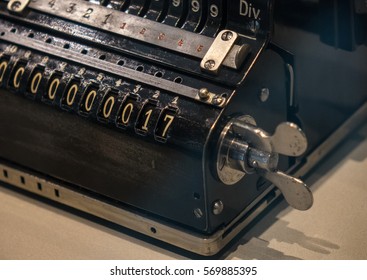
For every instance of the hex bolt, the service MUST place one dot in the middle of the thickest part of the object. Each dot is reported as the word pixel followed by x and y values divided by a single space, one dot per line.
pixel 204 93
pixel 226 36
pixel 209 64
pixel 198 213
pixel 264 94
pixel 218 207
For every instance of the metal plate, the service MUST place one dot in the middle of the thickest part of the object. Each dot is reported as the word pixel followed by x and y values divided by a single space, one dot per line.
pixel 134 27
pixel 108 67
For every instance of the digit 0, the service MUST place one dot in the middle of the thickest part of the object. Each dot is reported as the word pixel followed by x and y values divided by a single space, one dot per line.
pixel 126 113
pixel 107 107
pixel 70 97
pixel 53 87
pixel 108 103
pixel 18 76
pixel 89 100
pixel 36 82
pixel 70 92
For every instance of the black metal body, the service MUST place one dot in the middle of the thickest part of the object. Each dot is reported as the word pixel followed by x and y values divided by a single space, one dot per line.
pixel 169 178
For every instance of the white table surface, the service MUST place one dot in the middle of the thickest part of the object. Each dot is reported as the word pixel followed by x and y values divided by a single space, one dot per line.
pixel 334 228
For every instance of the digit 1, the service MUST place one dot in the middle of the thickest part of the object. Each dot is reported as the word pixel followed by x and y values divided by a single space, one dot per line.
pixel 148 114
pixel 107 17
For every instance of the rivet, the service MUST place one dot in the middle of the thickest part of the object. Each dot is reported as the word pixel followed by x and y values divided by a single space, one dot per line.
pixel 218 207
pixel 264 94
pixel 204 93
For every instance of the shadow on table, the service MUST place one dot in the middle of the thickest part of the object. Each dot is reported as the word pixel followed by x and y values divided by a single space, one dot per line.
pixel 252 247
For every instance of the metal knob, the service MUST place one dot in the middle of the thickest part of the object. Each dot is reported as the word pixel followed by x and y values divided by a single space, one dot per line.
pixel 246 149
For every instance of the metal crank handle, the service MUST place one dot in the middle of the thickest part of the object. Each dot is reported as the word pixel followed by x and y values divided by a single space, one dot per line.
pixel 246 149
pixel 295 191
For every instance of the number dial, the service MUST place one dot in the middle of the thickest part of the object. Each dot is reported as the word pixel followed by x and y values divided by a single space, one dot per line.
pixel 147 118
pixel 4 67
pixel 164 124
pixel 70 94
pixel 17 74
pixel 53 87
pixel 137 7
pixel 157 10
pixel 120 5
pixel 128 112
pixel 107 108
pixel 215 16
pixel 176 13
pixel 89 99
pixel 34 85
pixel 196 15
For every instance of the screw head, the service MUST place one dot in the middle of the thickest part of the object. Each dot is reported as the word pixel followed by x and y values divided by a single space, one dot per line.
pixel 209 64
pixel 226 36
pixel 204 93
pixel 218 207
pixel 264 94
pixel 198 213
pixel 254 26
pixel 15 6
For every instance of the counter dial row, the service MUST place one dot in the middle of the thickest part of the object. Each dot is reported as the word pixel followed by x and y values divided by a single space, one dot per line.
pixel 109 105
pixel 200 16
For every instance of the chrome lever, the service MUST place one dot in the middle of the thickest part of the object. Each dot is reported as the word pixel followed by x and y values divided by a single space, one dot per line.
pixel 288 139
pixel 295 191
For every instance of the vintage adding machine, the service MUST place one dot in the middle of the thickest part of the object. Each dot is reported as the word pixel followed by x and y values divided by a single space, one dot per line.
pixel 174 117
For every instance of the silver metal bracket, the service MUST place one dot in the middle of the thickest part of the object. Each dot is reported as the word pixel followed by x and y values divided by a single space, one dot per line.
pixel 17 6
pixel 223 44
